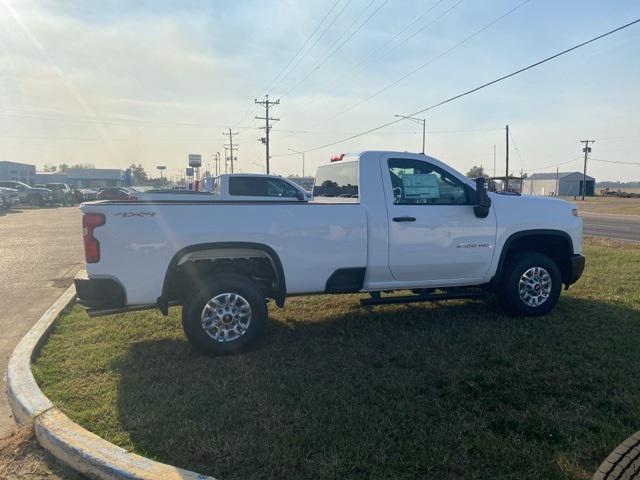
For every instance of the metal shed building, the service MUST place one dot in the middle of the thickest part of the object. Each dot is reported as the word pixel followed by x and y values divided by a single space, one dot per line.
pixel 563 184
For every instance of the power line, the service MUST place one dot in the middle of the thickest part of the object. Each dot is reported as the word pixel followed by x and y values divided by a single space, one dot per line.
pixel 276 80
pixel 429 62
pixel 330 52
pixel 317 40
pixel 354 73
pixel 273 82
pixel 484 85
pixel 554 165
pixel 406 39
pixel 614 161
pixel 373 52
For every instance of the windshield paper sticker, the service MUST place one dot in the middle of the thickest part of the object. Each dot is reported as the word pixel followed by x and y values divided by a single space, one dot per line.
pixel 421 185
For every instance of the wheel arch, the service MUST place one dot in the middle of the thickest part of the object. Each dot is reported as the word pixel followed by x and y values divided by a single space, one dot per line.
pixel 280 289
pixel 557 244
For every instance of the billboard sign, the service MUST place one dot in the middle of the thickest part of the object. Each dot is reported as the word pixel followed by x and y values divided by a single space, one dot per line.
pixel 189 171
pixel 195 160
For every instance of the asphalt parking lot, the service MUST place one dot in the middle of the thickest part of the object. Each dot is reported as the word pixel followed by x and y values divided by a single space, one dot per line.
pixel 40 253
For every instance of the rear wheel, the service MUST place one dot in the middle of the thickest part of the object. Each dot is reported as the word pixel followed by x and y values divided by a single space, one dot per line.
pixel 531 284
pixel 35 200
pixel 226 316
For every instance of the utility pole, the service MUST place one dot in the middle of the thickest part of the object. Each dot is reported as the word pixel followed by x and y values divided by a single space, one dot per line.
pixel 557 175
pixel 230 134
pixel 506 176
pixel 421 121
pixel 587 151
pixel 266 103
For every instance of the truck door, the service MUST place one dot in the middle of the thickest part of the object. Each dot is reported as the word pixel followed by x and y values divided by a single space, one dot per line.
pixel 434 235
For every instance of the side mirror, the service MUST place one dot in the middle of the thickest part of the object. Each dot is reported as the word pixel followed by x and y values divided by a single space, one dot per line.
pixel 483 202
pixel 301 196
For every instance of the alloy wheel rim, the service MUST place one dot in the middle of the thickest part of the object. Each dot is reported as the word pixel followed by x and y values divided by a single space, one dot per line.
pixel 534 286
pixel 226 317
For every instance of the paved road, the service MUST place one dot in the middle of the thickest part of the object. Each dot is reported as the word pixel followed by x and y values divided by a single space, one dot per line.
pixel 625 227
pixel 40 253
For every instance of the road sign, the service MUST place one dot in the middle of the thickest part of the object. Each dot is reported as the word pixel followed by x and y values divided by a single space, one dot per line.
pixel 195 160
pixel 189 171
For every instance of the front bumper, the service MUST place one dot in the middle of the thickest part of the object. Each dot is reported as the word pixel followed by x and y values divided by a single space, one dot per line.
pixel 100 293
pixel 576 267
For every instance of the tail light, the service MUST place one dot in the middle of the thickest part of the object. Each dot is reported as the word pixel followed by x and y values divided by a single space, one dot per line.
pixel 91 246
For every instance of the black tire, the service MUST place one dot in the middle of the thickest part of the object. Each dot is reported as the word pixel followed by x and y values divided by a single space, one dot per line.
pixel 195 304
pixel 509 290
pixel 35 200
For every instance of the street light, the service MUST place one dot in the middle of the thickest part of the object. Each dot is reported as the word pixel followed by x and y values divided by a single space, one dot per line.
pixel 296 151
pixel 421 121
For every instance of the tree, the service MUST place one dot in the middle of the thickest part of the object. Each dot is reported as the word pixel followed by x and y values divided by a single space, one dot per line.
pixel 50 168
pixel 63 167
pixel 138 175
pixel 476 172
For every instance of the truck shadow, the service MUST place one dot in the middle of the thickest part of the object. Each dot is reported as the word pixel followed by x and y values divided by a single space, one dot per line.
pixel 393 387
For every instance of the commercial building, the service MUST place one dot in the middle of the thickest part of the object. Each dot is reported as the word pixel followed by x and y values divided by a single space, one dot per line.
pixel 565 184
pixel 84 177
pixel 18 172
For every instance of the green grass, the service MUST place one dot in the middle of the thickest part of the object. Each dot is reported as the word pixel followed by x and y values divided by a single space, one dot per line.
pixel 335 390
pixel 600 204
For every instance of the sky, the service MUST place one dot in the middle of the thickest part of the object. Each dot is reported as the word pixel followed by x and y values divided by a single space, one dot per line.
pixel 114 82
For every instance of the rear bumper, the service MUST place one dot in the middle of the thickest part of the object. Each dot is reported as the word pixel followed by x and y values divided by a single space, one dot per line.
pixel 576 267
pixel 100 293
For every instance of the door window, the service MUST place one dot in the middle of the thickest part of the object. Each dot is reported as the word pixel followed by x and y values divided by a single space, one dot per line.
pixel 261 187
pixel 280 188
pixel 248 186
pixel 416 182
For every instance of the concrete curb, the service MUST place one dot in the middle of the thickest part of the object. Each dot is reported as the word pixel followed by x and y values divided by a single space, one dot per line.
pixel 69 442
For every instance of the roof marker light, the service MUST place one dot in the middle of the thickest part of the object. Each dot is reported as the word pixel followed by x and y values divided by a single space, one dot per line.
pixel 337 158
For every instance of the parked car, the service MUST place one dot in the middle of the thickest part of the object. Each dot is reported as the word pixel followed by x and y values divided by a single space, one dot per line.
pixel 235 187
pixel 8 197
pixel 114 193
pixel 62 193
pixel 30 195
pixel 378 222
pixel 85 195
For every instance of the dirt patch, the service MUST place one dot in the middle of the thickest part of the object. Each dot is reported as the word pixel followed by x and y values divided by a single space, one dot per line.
pixel 22 458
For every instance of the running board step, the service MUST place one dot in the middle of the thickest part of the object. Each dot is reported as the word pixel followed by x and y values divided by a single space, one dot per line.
pixel 376 299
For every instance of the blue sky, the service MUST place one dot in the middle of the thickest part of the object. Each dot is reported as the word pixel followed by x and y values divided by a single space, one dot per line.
pixel 116 82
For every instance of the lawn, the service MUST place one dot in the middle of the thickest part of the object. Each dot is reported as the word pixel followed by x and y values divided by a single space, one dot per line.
pixel 598 204
pixel 334 390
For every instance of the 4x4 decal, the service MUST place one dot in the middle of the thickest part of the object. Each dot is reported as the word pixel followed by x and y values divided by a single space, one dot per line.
pixel 135 214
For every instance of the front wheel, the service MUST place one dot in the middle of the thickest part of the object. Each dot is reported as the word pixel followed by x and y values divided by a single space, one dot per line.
pixel 226 316
pixel 531 284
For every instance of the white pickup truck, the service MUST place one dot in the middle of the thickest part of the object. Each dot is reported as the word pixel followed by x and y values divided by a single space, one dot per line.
pixel 234 187
pixel 378 222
